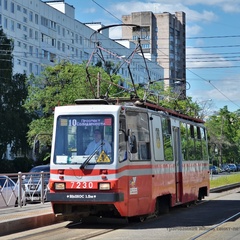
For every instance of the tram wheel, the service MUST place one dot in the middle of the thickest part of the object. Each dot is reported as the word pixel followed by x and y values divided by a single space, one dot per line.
pixel 163 206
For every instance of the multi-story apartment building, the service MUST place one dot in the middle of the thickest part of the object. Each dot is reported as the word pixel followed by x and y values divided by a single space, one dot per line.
pixel 163 39
pixel 46 32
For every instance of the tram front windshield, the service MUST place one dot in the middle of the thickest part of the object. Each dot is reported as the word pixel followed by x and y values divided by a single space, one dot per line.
pixel 81 139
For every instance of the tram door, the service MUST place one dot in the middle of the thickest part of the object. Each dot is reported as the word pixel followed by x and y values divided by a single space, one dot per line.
pixel 178 162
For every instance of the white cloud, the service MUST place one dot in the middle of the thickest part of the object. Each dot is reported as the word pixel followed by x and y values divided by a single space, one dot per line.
pixel 192 16
pixel 228 87
pixel 193 30
pixel 198 58
pixel 227 6
pixel 138 6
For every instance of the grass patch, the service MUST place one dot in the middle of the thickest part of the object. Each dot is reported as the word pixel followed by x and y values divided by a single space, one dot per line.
pixel 225 180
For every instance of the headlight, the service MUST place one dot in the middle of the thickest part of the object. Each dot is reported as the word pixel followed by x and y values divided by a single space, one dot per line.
pixel 104 186
pixel 59 186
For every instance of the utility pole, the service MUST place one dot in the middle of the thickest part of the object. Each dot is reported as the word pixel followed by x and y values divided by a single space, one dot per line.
pixel 98 84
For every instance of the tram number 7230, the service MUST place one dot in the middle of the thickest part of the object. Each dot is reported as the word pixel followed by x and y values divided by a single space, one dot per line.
pixel 82 185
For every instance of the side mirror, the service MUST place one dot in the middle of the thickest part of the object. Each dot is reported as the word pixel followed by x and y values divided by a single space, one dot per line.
pixel 125 135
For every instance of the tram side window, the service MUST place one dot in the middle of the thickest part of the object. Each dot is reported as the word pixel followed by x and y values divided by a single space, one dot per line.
pixel 122 140
pixel 204 144
pixel 198 143
pixel 167 139
pixel 138 123
pixel 184 140
pixel 191 142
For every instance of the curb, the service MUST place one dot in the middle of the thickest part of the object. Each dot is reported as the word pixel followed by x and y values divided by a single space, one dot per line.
pixel 224 188
pixel 22 224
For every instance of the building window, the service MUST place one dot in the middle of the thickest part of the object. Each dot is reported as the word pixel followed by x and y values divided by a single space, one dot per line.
pixel 12 7
pixel 36 35
pixel 25 19
pixel 30 16
pixel 19 26
pixel 24 10
pixel 5 23
pixel 31 33
pixel 30 50
pixel 52 57
pixel 36 18
pixel 145 46
pixel 36 70
pixel 76 38
pixel 36 51
pixel 12 25
pixel 44 21
pixel 5 5
pixel 30 67
pixel 53 42
pixel 58 45
pixel 53 25
pixel 19 8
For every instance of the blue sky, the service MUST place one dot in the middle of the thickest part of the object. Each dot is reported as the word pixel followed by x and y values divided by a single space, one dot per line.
pixel 213 42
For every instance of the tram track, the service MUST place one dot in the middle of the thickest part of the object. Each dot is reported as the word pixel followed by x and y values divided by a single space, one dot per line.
pixel 211 229
pixel 174 224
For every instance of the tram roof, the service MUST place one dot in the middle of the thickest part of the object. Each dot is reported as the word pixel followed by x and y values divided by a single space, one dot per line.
pixel 138 103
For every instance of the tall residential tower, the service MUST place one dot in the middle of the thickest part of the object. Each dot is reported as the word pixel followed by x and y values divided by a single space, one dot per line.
pixel 163 40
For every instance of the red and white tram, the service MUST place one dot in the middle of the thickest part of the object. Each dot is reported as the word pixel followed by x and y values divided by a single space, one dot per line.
pixel 158 159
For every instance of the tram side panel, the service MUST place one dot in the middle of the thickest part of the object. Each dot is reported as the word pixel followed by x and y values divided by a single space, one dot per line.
pixel 163 168
pixel 195 161
pixel 139 165
pixel 180 160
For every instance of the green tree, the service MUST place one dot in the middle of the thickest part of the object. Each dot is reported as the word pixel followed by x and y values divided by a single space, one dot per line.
pixel 6 48
pixel 223 130
pixel 61 85
pixel 16 115
pixel 167 98
pixel 13 92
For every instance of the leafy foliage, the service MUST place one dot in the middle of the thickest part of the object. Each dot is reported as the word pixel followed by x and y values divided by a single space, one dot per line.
pixel 224 136
pixel 60 85
pixel 13 92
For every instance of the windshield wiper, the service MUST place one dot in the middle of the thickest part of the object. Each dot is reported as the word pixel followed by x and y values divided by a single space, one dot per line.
pixel 90 156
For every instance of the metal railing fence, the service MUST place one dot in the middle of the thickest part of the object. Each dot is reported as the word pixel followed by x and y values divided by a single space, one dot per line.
pixel 22 188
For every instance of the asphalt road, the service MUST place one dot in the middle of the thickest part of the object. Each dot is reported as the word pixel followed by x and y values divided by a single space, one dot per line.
pixel 211 219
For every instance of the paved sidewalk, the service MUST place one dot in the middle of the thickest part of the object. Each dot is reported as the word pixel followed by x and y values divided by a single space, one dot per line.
pixel 16 219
